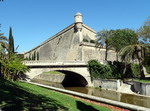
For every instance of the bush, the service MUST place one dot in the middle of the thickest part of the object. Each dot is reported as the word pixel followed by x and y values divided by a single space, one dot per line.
pixel 135 70
pixel 117 69
pixel 98 70
pixel 147 69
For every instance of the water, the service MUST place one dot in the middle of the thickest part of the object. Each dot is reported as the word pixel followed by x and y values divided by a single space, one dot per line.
pixel 112 95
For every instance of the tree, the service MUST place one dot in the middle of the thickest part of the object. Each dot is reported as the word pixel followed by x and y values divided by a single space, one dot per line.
pixel 144 31
pixel 121 38
pixel 10 62
pixel 102 40
pixel 132 52
pixel 3 48
pixel 3 41
pixel 11 42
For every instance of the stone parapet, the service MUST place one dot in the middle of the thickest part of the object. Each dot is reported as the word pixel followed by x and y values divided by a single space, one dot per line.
pixel 142 88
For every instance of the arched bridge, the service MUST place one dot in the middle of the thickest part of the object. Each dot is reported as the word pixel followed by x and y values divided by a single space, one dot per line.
pixel 76 70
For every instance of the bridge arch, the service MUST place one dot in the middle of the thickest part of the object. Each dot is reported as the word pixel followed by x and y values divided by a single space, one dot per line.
pixel 74 76
pixel 73 79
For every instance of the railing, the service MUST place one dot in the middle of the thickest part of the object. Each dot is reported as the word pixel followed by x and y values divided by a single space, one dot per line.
pixel 47 62
pixel 55 63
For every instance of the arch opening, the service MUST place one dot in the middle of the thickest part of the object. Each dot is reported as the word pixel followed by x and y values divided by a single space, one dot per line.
pixel 73 79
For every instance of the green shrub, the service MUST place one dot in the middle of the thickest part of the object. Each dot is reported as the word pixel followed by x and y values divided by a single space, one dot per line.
pixel 135 69
pixel 147 69
pixel 98 70
pixel 117 69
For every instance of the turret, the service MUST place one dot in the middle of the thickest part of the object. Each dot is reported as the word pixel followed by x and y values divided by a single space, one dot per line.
pixel 78 21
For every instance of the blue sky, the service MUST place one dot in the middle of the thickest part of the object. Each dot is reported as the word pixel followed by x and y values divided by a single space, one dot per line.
pixel 34 21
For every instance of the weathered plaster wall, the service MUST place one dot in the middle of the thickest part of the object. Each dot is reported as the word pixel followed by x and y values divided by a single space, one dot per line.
pixel 91 52
pixel 57 78
pixel 88 33
pixel 107 84
pixel 68 45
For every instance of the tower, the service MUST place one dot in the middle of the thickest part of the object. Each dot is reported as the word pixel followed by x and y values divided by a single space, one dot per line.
pixel 78 21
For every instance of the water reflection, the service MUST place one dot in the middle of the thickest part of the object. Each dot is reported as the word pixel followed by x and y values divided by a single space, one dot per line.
pixel 127 98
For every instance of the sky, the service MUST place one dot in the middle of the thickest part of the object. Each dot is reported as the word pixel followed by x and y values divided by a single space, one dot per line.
pixel 34 21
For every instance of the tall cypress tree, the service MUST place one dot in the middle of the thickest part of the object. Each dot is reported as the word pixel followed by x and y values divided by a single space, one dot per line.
pixel 11 42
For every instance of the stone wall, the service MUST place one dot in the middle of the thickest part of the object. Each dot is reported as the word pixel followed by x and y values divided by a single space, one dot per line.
pixel 107 84
pixel 68 45
pixel 91 52
pixel 57 78
pixel 142 88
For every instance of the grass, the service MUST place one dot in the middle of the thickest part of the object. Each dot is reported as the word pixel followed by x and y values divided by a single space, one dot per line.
pixel 144 81
pixel 19 96
pixel 52 72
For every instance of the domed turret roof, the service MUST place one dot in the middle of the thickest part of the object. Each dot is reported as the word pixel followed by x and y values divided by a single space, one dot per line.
pixel 78 14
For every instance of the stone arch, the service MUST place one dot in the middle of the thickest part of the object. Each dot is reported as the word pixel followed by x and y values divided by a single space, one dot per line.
pixel 73 79
pixel 74 75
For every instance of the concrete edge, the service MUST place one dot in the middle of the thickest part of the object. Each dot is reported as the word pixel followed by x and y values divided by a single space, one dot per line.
pixel 111 102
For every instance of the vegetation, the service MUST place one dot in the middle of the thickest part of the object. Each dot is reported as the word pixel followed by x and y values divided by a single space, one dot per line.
pixel 135 70
pixel 103 40
pixel 138 49
pixel 98 70
pixel 121 38
pixel 11 66
pixel 144 31
pixel 26 97
pixel 129 46
pixel 11 49
pixel 143 81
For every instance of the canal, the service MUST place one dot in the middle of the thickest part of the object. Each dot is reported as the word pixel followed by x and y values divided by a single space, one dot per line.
pixel 112 95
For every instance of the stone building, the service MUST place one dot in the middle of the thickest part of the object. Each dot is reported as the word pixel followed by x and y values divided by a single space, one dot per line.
pixel 74 43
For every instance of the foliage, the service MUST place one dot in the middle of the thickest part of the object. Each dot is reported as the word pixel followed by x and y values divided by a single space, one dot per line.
pixel 135 70
pixel 98 70
pixel 147 69
pixel 11 42
pixel 103 40
pixel 144 31
pixel 121 38
pixel 132 52
pixel 26 97
pixel 12 67
pixel 117 69
pixel 3 41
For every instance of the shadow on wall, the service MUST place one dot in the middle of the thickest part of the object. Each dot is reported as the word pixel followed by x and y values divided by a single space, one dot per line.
pixel 73 79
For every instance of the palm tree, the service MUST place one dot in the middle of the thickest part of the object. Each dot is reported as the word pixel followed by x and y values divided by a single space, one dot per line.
pixel 3 41
pixel 132 52
pixel 102 40
pixel 3 48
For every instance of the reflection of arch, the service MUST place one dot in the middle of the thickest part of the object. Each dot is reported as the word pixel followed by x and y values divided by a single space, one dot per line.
pixel 73 79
